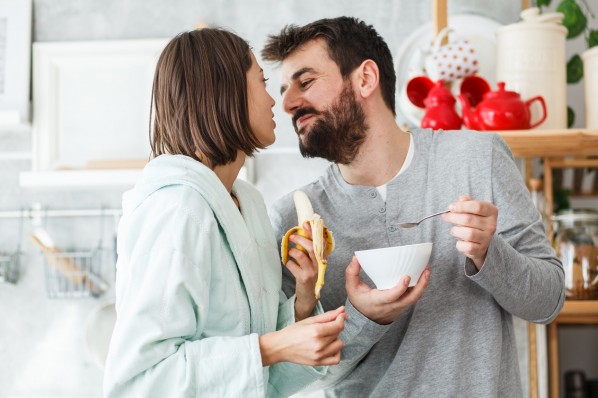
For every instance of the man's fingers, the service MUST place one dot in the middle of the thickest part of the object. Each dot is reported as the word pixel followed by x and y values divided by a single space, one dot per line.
pixel 352 275
pixel 416 292
pixel 393 294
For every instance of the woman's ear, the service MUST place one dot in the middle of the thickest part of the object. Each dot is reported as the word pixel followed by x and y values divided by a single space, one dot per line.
pixel 368 78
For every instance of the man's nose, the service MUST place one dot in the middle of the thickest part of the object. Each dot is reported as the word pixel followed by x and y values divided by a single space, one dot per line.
pixel 291 100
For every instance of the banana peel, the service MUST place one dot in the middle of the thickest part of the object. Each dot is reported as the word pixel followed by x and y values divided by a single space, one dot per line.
pixel 322 240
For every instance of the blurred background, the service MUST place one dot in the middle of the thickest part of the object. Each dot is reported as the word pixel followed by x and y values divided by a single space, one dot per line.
pixel 59 182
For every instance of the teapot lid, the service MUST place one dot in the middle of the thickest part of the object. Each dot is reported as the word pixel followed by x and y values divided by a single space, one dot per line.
pixel 440 90
pixel 501 93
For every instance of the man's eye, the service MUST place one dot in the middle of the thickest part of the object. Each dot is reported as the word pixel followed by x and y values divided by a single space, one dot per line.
pixel 305 83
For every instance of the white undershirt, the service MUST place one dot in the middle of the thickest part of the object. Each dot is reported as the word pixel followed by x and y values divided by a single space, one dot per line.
pixel 382 188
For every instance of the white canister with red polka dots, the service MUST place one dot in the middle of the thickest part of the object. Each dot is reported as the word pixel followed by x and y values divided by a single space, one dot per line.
pixel 454 60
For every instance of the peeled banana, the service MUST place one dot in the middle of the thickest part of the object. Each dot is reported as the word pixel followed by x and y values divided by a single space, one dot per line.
pixel 322 240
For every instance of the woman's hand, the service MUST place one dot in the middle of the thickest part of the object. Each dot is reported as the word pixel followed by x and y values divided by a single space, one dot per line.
pixel 313 341
pixel 304 268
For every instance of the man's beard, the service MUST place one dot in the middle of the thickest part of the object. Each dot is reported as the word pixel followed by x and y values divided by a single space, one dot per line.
pixel 339 131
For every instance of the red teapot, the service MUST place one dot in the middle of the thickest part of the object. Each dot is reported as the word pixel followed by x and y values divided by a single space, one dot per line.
pixel 497 110
pixel 438 102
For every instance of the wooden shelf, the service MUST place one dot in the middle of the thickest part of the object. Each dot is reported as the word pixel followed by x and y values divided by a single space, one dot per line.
pixel 578 308
pixel 554 146
pixel 551 143
pixel 574 312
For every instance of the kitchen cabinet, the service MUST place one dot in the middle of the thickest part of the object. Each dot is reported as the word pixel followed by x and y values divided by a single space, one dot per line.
pixel 559 149
pixel 92 102
pixel 573 313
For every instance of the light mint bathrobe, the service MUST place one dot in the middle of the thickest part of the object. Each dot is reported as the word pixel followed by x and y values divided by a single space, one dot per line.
pixel 197 282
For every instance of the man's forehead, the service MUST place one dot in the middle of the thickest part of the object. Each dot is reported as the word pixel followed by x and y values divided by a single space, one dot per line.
pixel 309 57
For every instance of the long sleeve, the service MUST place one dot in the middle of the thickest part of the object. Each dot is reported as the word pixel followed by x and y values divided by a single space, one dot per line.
pixel 288 378
pixel 521 270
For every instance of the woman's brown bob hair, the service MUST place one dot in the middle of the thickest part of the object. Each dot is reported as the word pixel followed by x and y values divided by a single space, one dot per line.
pixel 199 98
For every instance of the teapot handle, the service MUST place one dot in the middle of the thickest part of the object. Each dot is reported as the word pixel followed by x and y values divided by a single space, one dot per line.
pixel 529 102
pixel 438 39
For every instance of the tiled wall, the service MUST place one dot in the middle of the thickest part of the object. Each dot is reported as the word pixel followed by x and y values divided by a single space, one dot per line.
pixel 43 338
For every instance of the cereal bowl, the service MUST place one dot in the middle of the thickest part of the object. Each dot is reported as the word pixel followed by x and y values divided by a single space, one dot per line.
pixel 386 266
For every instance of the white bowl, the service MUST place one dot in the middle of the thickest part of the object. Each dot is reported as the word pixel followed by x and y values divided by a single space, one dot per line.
pixel 387 266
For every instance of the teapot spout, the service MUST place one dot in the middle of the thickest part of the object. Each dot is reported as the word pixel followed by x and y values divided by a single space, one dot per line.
pixel 469 117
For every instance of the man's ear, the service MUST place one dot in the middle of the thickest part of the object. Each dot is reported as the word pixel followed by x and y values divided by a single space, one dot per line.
pixel 368 78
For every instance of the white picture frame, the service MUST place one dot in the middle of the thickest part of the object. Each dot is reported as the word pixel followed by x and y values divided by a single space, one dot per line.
pixel 15 61
pixel 91 103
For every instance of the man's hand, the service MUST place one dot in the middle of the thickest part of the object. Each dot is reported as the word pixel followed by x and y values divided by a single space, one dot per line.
pixel 475 225
pixel 382 306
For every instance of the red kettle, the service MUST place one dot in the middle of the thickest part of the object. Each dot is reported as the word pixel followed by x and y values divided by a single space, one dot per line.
pixel 498 110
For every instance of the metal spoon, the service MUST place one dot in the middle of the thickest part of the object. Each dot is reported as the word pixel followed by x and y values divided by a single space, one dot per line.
pixel 415 224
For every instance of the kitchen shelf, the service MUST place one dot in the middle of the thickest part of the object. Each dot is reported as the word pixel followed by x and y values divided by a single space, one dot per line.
pixel 79 178
pixel 574 312
pixel 553 146
pixel 574 309
pixel 551 143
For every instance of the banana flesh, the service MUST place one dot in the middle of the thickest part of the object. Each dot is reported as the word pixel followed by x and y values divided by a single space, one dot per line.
pixel 322 240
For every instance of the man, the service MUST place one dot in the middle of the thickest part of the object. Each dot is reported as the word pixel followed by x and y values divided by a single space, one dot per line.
pixel 491 259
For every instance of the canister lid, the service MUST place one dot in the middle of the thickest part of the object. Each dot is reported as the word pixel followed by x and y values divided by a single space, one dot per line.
pixel 532 19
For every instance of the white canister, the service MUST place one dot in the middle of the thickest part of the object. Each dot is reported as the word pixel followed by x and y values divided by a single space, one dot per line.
pixel 531 61
pixel 590 71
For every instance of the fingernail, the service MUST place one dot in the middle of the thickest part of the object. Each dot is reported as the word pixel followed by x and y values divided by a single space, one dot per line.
pixel 427 276
pixel 406 281
pixel 452 207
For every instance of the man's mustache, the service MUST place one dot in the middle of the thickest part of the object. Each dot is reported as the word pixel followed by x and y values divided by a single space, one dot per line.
pixel 302 112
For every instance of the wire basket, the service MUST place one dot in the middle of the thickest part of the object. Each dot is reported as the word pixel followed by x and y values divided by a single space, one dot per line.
pixel 10 260
pixel 75 274
pixel 10 266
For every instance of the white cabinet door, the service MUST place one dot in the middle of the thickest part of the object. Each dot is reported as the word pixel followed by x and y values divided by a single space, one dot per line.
pixel 91 103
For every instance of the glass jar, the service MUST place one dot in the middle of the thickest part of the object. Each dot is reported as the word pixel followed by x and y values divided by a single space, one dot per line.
pixel 576 245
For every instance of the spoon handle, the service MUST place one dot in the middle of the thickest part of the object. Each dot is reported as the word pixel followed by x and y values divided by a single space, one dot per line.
pixel 434 215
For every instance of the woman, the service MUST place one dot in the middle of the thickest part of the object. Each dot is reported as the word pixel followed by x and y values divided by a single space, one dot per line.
pixel 200 310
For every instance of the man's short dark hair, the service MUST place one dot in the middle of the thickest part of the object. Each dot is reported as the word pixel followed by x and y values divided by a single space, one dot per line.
pixel 350 42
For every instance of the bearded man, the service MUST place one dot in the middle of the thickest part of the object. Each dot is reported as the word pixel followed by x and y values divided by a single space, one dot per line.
pixel 491 259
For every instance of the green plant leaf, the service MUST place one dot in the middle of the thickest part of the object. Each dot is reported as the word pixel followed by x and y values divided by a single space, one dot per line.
pixel 570 117
pixel 575 20
pixel 593 38
pixel 561 199
pixel 543 3
pixel 574 69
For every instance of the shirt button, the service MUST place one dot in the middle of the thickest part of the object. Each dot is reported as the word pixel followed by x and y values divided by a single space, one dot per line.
pixel 373 194
pixel 382 209
pixel 392 229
